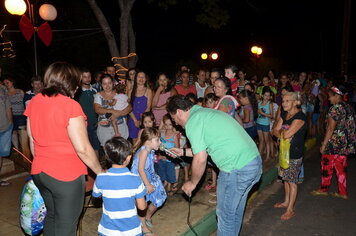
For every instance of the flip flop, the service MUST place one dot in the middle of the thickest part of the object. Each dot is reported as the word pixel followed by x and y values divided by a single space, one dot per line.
pixel 147 233
pixel 149 223
pixel 174 187
pixel 279 205
pixel 4 183
pixel 209 187
pixel 340 196
pixel 288 216
pixel 171 193
pixel 212 200
pixel 318 193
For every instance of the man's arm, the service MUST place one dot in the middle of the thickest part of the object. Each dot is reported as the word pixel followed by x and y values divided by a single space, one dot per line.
pixel 9 113
pixel 198 169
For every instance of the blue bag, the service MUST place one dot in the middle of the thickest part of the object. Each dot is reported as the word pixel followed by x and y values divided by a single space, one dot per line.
pixel 33 210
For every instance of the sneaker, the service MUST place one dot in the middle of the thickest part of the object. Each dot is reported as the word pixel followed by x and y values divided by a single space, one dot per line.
pixel 4 183
pixel 345 197
pixel 318 193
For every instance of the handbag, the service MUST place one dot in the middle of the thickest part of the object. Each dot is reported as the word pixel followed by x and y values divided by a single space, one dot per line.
pixel 284 148
pixel 33 210
pixel 32 207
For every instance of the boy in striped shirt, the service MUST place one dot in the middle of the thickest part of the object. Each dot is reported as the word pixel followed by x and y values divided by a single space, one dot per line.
pixel 121 191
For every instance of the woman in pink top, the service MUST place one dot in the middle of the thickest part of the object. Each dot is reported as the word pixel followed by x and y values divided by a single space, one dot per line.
pixel 163 92
pixel 56 125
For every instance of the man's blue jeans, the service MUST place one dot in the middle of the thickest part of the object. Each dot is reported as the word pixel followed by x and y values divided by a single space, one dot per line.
pixel 232 192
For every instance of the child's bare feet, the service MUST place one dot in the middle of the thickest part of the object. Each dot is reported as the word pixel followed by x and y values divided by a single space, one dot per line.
pixel 146 231
pixel 280 205
pixel 288 215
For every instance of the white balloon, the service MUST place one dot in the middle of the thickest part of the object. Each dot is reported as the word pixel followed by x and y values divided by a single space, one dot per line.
pixel 48 12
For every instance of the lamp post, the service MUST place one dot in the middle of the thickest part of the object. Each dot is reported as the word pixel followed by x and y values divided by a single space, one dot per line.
pixel 214 56
pixel 257 51
pixel 47 12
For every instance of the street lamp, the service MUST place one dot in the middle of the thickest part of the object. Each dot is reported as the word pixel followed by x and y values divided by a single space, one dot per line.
pixel 204 56
pixel 214 56
pixel 28 25
pixel 257 51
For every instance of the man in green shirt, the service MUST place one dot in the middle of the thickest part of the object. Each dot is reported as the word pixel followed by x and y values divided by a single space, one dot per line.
pixel 215 133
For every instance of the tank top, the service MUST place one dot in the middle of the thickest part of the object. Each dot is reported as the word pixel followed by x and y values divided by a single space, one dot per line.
pixel 167 142
pixel 159 113
pixel 261 119
pixel 200 90
pixel 251 123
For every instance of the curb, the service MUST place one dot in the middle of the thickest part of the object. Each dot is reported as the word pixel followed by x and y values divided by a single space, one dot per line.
pixel 208 224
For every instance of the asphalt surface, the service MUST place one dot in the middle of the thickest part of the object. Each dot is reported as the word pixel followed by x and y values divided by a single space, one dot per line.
pixel 315 215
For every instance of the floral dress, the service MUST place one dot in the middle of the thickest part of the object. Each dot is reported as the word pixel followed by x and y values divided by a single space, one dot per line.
pixel 229 102
pixel 342 141
pixel 159 196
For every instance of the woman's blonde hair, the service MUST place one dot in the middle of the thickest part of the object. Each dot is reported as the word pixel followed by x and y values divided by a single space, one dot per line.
pixel 296 97
pixel 146 135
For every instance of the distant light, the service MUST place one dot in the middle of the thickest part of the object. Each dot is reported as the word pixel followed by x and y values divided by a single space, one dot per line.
pixel 48 12
pixel 254 49
pixel 15 7
pixel 204 56
pixel 214 56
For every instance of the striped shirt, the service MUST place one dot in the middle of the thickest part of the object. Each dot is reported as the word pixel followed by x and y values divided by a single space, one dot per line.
pixel 119 188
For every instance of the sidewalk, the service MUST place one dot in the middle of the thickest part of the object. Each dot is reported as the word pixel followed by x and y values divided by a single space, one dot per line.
pixel 315 215
pixel 170 220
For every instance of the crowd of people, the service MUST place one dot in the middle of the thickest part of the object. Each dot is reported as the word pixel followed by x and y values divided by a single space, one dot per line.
pixel 74 121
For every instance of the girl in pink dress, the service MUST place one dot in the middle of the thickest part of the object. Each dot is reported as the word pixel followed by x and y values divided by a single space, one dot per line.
pixel 163 92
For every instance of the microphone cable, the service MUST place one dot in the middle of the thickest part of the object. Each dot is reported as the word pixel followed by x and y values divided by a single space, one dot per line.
pixel 188 217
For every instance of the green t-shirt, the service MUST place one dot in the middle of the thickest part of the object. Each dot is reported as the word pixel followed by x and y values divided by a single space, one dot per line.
pixel 228 144
pixel 86 101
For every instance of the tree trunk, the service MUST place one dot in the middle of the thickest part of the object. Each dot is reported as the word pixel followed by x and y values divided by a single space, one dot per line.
pixel 125 8
pixel 132 44
pixel 110 38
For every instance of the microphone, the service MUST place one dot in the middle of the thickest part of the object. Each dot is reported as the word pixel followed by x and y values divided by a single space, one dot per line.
pixel 164 149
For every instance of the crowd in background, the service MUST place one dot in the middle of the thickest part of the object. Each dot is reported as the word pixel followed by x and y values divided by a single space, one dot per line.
pixel 123 107
pixel 114 106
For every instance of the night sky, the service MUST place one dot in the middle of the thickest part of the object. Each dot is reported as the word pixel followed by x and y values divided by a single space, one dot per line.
pixel 294 35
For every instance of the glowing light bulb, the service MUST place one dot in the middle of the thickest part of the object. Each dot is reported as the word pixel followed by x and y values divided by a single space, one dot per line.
pixel 15 7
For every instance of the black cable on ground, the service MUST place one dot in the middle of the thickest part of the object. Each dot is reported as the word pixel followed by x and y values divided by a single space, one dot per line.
pixel 188 222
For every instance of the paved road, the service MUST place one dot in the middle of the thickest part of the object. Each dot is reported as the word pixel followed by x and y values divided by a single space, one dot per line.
pixel 315 215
